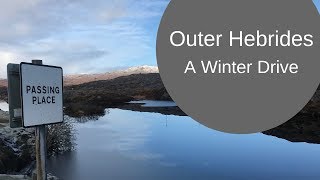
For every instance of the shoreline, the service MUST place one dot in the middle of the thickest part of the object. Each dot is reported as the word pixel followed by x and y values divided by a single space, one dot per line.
pixel 15 147
pixel 17 159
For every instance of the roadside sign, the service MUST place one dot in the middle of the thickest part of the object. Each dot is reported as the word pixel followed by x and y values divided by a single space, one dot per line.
pixel 41 94
pixel 14 95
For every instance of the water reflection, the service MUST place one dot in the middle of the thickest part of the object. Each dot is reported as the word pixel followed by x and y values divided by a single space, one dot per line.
pixel 137 145
pixel 301 128
pixel 151 103
pixel 85 119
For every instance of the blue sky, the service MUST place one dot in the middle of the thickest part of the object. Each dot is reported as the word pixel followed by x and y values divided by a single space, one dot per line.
pixel 317 3
pixel 82 36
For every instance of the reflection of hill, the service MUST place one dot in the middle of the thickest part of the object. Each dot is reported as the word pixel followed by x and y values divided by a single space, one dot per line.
pixel 174 110
pixel 301 128
pixel 85 119
pixel 92 113
pixel 304 127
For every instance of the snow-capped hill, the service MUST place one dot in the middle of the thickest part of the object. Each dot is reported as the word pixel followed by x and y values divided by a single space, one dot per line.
pixel 143 69
pixel 84 78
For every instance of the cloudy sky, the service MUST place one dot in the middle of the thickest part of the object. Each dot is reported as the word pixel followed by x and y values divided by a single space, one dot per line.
pixel 82 36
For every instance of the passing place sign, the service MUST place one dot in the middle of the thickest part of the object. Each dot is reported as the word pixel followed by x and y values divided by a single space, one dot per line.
pixel 41 94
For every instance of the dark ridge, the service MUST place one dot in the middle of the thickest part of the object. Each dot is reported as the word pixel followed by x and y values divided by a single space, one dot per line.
pixel 93 98
pixel 138 86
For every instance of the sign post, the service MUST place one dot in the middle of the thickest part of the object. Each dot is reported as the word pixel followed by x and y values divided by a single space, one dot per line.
pixel 38 92
pixel 41 148
pixel 41 152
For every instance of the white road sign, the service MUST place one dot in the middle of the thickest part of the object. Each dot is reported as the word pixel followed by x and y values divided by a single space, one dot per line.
pixel 41 94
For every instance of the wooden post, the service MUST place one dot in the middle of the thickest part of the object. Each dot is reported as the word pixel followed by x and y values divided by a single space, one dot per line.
pixel 40 146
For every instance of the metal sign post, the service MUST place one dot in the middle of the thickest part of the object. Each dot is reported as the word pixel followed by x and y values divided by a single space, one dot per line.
pixel 41 149
pixel 41 152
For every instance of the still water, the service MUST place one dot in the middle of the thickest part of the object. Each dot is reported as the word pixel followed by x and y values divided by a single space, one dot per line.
pixel 150 103
pixel 4 106
pixel 145 146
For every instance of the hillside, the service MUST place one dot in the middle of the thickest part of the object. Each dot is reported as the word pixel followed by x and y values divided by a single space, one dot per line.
pixel 93 97
pixel 138 86
pixel 77 79
pixel 84 78
pixel 3 82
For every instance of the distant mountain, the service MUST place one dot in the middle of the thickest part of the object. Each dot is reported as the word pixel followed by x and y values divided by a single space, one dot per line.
pixel 137 86
pixel 85 78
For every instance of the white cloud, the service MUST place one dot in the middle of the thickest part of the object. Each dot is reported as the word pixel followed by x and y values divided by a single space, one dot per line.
pixel 83 36
pixel 6 57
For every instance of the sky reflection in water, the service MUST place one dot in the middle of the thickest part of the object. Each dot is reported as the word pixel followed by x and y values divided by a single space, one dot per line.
pixel 134 145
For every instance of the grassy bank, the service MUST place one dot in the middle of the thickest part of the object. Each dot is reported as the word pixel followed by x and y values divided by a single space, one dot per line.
pixel 17 146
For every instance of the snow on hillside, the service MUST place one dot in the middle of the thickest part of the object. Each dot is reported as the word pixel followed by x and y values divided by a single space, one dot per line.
pixel 84 78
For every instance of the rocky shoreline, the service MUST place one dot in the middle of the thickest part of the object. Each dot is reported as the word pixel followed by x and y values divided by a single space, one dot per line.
pixel 17 148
